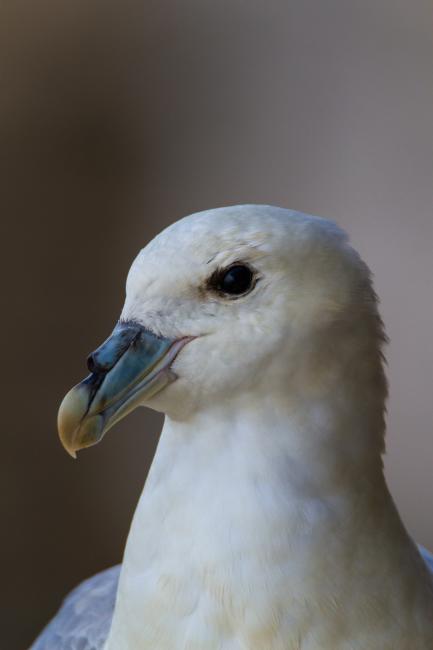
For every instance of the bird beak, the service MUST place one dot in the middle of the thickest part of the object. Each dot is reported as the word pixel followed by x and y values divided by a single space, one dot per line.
pixel 131 366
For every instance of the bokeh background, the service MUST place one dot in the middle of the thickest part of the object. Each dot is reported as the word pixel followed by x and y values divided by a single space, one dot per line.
pixel 118 117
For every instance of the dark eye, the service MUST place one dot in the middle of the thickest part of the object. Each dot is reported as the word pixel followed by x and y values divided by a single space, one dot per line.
pixel 236 280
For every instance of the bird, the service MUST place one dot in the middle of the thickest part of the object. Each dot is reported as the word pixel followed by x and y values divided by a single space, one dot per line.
pixel 265 522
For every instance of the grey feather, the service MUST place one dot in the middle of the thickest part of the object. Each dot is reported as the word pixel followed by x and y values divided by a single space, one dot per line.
pixel 427 557
pixel 84 619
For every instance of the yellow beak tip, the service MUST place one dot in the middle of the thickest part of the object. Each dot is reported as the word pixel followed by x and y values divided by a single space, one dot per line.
pixel 71 452
pixel 71 411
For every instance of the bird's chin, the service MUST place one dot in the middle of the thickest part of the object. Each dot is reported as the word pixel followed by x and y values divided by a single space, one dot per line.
pixel 129 370
pixel 175 401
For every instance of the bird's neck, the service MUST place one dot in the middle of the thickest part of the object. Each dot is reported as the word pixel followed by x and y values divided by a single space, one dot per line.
pixel 296 448
pixel 243 501
pixel 241 470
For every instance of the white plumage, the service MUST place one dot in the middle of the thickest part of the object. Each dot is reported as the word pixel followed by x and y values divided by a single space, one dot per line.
pixel 265 522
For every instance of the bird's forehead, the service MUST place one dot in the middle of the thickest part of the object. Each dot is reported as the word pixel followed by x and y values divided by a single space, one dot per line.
pixel 198 243
pixel 202 247
pixel 195 245
pixel 178 262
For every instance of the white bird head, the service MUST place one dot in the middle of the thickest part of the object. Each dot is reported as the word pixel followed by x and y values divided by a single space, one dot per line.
pixel 236 305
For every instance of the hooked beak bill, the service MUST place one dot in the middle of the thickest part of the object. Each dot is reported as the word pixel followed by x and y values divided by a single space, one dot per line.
pixel 131 366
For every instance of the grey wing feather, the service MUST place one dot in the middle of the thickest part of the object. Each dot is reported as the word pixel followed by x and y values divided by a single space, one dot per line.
pixel 427 557
pixel 84 619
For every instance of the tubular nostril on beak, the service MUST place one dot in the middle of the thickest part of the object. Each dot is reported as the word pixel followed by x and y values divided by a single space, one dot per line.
pixel 104 358
pixel 92 364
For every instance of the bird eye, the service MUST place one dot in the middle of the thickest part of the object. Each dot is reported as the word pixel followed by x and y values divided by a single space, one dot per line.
pixel 235 281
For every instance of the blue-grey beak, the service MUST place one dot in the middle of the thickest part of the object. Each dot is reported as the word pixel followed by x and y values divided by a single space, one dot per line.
pixel 131 366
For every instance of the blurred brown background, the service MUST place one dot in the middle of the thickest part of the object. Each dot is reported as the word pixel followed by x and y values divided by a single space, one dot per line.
pixel 119 117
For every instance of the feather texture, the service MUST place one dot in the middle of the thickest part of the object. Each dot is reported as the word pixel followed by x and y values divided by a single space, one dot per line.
pixel 84 619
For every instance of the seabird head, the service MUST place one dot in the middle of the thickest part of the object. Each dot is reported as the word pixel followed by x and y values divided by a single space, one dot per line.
pixel 232 305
